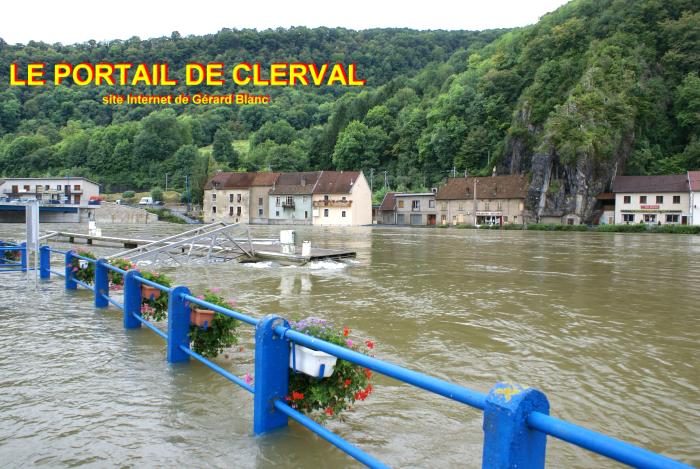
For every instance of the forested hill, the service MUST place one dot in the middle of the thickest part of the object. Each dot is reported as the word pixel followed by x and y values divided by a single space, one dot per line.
pixel 594 89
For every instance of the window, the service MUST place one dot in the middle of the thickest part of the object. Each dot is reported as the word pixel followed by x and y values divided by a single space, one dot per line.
pixel 213 209
pixel 26 188
pixel 230 211
pixel 659 199
pixel 461 206
pixel 671 218
pixel 343 198
pixel 342 214
pixel 290 200
pixel 431 204
pixel 505 219
pixel 230 198
pixel 443 219
pixel 676 199
pixel 500 206
pixel 415 205
pixel 260 201
pixel 213 197
pixel 58 187
pixel 325 212
pixel 238 211
pixel 443 206
pixel 642 199
pixel 238 198
pixel 260 212
pixel 627 199
pixel 277 213
pixel 628 217
pixel 486 206
pixel 400 203
pixel 76 187
pixel 47 187
pixel 306 214
pixel 277 201
pixel 325 197
pixel 649 218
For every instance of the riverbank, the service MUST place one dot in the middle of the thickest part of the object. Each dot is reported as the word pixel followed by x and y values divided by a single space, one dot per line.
pixel 636 228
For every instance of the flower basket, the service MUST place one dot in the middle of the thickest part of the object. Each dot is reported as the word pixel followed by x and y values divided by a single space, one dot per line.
pixel 201 317
pixel 311 362
pixel 149 293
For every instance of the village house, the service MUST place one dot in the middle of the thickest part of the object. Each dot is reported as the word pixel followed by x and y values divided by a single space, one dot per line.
pixel 657 200
pixel 226 197
pixel 406 208
pixel 50 190
pixel 342 198
pixel 290 198
pixel 260 189
pixel 694 204
pixel 494 200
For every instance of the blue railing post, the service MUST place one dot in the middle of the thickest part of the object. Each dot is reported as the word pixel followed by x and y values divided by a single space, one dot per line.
pixel 508 440
pixel 101 284
pixel 178 325
pixel 132 300
pixel 70 282
pixel 44 262
pixel 271 375
pixel 23 256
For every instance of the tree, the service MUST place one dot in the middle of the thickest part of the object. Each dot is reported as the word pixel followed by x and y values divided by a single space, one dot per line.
pixel 359 147
pixel 223 150
pixel 157 194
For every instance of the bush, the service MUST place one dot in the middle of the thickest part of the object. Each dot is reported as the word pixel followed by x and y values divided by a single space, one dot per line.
pixel 676 229
pixel 129 194
pixel 157 194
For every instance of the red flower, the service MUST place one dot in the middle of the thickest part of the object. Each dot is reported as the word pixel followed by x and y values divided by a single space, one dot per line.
pixel 369 344
pixel 329 411
pixel 297 395
pixel 368 373
pixel 347 382
pixel 368 389
pixel 346 331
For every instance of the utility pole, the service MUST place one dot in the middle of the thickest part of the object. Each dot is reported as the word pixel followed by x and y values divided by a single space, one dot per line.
pixel 187 191
pixel 454 171
pixel 386 179
pixel 371 180
pixel 166 182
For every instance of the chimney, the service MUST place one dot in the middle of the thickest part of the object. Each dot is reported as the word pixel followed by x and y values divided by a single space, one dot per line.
pixel 493 174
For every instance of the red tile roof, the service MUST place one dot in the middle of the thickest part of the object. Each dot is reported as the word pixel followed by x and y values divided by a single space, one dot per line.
pixel 265 179
pixel 666 183
pixel 694 180
pixel 336 182
pixel 295 183
pixel 231 180
pixel 487 187
pixel 389 202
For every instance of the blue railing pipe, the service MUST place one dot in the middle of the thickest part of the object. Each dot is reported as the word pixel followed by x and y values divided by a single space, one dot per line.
pixel 101 284
pixel 70 281
pixel 435 385
pixel 508 440
pixel 225 311
pixel 271 375
pixel 178 325
pixel 23 256
pixel 44 262
pixel 604 445
pixel 132 300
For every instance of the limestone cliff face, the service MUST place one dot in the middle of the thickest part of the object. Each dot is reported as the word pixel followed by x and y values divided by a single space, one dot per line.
pixel 558 189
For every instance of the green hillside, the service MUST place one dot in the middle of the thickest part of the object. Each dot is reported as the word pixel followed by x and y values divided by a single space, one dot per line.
pixel 594 89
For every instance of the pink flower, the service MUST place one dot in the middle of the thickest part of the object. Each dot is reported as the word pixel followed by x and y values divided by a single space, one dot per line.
pixel 231 302
pixel 75 269
pixel 247 378
pixel 215 290
pixel 200 297
pixel 349 342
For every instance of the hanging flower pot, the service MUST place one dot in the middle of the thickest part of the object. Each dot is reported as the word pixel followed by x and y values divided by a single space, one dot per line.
pixel 311 362
pixel 149 293
pixel 201 317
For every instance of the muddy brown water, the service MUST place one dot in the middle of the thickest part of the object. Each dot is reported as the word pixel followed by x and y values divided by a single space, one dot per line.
pixel 607 325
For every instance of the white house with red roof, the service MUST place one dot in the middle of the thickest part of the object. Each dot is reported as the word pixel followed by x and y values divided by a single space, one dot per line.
pixel 694 186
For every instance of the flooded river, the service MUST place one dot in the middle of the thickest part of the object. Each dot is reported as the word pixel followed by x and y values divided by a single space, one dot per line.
pixel 607 325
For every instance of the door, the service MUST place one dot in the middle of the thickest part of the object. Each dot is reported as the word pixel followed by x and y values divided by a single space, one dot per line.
pixel 684 220
pixel 432 219
pixel 416 219
pixel 76 197
pixel 400 219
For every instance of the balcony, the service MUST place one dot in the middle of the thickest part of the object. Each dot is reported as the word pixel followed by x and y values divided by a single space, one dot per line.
pixel 288 204
pixel 332 203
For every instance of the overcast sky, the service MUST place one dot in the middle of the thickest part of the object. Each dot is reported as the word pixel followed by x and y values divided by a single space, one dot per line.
pixel 81 20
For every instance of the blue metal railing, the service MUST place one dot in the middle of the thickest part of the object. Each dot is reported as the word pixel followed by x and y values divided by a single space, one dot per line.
pixel 516 419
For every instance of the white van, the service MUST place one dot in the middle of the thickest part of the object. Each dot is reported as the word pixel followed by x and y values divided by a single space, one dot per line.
pixel 146 201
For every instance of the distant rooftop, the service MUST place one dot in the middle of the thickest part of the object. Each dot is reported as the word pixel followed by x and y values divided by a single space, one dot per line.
pixel 665 183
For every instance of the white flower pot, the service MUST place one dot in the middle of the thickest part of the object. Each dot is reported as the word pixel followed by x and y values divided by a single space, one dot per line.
pixel 310 362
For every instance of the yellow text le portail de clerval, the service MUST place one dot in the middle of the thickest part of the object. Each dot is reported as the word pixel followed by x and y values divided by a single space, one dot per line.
pixel 209 74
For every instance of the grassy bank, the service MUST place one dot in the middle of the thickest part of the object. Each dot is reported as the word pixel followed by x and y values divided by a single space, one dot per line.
pixel 636 228
pixel 165 215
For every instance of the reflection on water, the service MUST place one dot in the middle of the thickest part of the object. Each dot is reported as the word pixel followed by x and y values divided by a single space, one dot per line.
pixel 605 324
